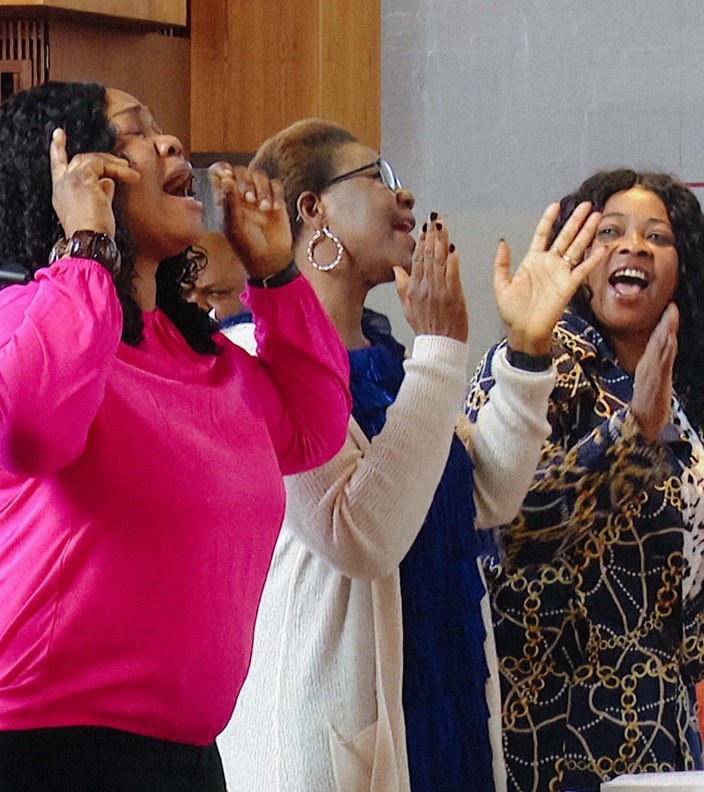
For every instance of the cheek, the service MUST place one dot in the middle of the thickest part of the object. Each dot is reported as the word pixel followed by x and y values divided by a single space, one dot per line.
pixel 120 197
pixel 597 281
pixel 673 276
pixel 127 200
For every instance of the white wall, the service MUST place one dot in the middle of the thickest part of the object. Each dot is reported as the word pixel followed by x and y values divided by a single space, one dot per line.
pixel 493 108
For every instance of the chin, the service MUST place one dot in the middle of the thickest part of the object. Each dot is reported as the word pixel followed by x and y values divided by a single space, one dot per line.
pixel 405 261
pixel 392 277
pixel 186 238
pixel 177 248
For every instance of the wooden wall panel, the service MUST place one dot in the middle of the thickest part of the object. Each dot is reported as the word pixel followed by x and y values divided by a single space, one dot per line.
pixel 258 65
pixel 350 75
pixel 253 68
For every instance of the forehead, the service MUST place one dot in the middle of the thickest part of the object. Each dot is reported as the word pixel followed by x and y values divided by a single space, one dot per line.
pixel 349 156
pixel 222 259
pixel 216 277
pixel 638 203
pixel 118 103
pixel 215 246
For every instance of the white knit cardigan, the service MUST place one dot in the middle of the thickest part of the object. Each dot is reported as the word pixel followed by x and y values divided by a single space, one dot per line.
pixel 321 707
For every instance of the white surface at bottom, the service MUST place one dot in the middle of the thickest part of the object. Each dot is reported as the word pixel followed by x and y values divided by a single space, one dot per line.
pixel 686 781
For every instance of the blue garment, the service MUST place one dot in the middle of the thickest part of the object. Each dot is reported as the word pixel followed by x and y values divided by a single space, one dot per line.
pixel 445 671
pixel 241 317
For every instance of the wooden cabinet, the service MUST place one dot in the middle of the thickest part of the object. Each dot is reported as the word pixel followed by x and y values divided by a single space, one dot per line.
pixel 258 65
pixel 255 65
pixel 161 12
pixel 147 60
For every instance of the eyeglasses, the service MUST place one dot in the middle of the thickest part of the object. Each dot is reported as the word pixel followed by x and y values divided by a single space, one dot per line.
pixel 384 170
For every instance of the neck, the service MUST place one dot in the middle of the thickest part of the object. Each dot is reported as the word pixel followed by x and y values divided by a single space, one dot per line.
pixel 347 318
pixel 144 283
pixel 629 350
pixel 342 298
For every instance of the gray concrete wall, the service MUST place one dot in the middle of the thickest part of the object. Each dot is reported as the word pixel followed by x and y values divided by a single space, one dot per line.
pixel 493 108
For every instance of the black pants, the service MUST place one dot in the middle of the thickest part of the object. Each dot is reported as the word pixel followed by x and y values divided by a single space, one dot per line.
pixel 96 759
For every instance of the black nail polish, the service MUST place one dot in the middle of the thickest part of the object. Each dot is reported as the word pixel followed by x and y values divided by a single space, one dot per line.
pixel 438 226
pixel 452 248
pixel 425 227
pixel 433 216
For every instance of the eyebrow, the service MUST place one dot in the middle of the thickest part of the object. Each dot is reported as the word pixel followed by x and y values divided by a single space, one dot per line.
pixel 622 215
pixel 137 109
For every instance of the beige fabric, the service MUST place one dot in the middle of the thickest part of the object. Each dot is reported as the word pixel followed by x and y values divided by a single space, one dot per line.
pixel 321 710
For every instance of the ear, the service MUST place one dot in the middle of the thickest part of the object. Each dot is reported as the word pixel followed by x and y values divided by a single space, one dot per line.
pixel 311 209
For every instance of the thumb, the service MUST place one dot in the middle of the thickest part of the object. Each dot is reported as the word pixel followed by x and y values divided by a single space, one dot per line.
pixel 58 158
pixel 402 281
pixel 108 187
pixel 502 266
pixel 671 317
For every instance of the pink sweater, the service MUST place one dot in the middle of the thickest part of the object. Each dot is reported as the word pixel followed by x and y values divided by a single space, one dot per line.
pixel 141 497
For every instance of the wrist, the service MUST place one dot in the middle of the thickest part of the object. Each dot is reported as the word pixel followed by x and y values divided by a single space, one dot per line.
pixel 527 361
pixel 89 245
pixel 280 278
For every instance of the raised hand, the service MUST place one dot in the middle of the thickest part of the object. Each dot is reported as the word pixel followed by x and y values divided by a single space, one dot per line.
pixel 432 296
pixel 254 218
pixel 531 302
pixel 83 188
pixel 651 404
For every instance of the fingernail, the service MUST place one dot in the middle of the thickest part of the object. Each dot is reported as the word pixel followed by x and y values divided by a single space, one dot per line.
pixel 425 227
pixel 433 216
pixel 452 248
pixel 438 226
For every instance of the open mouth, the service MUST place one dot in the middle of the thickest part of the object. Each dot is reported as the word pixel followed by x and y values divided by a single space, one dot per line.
pixel 180 185
pixel 629 281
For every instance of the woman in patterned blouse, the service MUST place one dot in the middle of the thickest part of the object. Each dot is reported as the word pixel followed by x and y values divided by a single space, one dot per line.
pixel 596 587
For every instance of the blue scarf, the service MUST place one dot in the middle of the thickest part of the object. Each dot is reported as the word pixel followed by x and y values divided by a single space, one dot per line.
pixel 445 671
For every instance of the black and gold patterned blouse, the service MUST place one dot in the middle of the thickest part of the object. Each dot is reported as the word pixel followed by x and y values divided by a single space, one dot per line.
pixel 596 586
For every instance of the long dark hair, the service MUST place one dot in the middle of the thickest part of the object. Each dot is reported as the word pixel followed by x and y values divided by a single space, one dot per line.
pixel 687 222
pixel 29 226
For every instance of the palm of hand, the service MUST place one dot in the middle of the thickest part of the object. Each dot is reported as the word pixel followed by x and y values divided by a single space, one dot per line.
pixel 652 383
pixel 259 235
pixel 533 300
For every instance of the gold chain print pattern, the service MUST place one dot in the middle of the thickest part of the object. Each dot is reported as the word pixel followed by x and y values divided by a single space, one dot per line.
pixel 597 649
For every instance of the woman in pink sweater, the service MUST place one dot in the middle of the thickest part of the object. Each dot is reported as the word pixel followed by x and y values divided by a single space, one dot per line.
pixel 140 456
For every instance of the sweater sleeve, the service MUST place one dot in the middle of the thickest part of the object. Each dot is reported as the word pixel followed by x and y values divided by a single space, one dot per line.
pixel 304 359
pixel 362 511
pixel 58 338
pixel 506 439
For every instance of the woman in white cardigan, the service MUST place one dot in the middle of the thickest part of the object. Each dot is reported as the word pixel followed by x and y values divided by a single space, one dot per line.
pixel 332 669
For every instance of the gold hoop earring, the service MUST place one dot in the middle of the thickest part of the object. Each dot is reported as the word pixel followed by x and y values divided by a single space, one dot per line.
pixel 320 234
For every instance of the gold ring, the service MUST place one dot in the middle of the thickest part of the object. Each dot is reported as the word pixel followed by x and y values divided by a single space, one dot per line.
pixel 572 262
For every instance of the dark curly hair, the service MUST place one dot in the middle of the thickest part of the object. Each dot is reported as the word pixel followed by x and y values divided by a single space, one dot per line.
pixel 301 157
pixel 29 224
pixel 687 222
